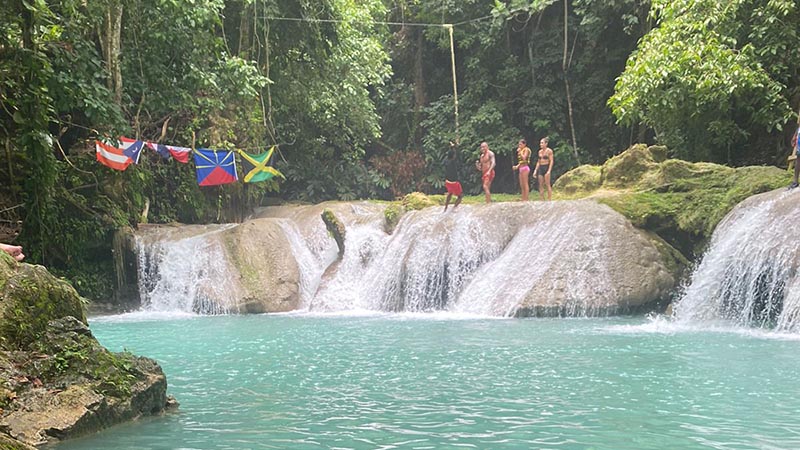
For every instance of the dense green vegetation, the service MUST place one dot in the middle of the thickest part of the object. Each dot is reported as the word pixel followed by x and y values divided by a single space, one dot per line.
pixel 359 97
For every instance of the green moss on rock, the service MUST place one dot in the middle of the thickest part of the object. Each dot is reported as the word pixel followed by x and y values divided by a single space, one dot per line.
pixel 392 214
pixel 627 168
pixel 9 443
pixel 680 201
pixel 582 179
pixel 335 228
pixel 416 201
pixel 29 298
pixel 48 352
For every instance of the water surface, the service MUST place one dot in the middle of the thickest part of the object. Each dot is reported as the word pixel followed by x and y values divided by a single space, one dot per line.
pixel 441 382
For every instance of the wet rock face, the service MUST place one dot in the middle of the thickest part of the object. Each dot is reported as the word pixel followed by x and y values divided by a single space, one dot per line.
pixel 268 274
pixel 568 258
pixel 56 380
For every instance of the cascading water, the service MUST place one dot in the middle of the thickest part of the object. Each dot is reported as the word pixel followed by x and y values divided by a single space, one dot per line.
pixel 186 274
pixel 563 258
pixel 541 259
pixel 749 275
pixel 310 264
pixel 421 267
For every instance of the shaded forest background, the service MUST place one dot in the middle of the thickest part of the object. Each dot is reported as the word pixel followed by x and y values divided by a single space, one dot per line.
pixel 360 109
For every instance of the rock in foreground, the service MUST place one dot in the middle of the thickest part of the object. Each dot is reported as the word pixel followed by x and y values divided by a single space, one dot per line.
pixel 58 382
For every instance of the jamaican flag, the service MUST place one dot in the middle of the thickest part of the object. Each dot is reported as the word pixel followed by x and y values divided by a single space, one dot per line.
pixel 256 169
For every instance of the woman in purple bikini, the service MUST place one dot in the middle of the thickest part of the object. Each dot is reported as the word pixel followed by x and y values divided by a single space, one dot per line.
pixel 523 164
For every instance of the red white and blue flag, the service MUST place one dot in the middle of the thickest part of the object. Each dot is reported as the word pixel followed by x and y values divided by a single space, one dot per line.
pixel 214 167
pixel 119 158
pixel 181 154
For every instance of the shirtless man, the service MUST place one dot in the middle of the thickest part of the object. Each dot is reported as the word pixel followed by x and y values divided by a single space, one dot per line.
pixel 543 167
pixel 486 165
pixel 14 250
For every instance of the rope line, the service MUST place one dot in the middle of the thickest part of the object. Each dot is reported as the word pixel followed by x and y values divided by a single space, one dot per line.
pixel 376 22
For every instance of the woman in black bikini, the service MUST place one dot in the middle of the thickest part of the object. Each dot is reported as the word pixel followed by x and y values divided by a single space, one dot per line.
pixel 543 167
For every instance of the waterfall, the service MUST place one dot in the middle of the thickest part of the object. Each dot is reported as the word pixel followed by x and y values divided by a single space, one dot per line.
pixel 539 263
pixel 311 264
pixel 560 258
pixel 748 276
pixel 184 273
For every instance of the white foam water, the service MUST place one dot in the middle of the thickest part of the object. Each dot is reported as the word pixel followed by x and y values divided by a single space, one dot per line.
pixel 185 274
pixel 748 276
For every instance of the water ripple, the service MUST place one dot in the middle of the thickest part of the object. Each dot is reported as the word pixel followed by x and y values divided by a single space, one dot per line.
pixel 388 382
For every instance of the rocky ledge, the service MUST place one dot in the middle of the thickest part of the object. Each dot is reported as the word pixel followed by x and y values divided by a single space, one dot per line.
pixel 56 380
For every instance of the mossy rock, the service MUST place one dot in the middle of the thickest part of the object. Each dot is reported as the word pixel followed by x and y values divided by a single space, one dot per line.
pixel 416 201
pixel 658 152
pixel 673 260
pixel 392 215
pixel 30 297
pixel 682 202
pixel 9 443
pixel 627 168
pixel 585 178
pixel 335 227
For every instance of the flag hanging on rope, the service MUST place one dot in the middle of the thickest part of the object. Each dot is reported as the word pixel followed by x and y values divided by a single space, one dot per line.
pixel 256 169
pixel 181 154
pixel 214 167
pixel 119 158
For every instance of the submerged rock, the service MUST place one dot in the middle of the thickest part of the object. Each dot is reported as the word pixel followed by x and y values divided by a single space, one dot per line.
pixel 58 382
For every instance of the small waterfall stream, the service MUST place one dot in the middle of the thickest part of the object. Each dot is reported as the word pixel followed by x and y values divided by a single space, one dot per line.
pixel 748 276
pixel 184 270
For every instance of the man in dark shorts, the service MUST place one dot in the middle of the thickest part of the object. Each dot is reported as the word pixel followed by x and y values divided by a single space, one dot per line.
pixel 451 179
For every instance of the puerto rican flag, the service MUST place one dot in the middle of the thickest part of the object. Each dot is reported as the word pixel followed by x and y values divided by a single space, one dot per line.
pixel 181 154
pixel 119 158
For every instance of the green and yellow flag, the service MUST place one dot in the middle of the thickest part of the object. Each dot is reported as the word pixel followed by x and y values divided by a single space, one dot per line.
pixel 256 169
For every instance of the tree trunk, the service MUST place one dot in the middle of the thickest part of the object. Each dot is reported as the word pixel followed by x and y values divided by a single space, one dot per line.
pixel 420 89
pixel 565 69
pixel 110 42
pixel 244 32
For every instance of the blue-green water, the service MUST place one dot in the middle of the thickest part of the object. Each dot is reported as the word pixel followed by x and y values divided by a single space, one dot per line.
pixel 416 382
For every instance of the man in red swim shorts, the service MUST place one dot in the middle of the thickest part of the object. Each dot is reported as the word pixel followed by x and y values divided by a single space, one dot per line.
pixel 451 178
pixel 486 164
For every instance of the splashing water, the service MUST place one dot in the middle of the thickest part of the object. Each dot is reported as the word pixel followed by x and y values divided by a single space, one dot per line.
pixel 490 260
pixel 178 273
pixel 748 276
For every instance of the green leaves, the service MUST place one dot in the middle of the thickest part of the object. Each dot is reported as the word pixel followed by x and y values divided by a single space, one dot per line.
pixel 706 78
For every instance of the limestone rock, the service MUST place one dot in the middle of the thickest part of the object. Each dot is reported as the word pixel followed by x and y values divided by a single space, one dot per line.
pixel 269 276
pixel 56 380
pixel 9 443
pixel 567 258
pixel 29 298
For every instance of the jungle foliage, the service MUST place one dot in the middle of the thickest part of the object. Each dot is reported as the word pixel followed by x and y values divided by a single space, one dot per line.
pixel 360 109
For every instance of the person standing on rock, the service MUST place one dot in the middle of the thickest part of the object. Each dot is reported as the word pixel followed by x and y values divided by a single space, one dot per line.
pixel 543 168
pixel 523 165
pixel 451 179
pixel 485 164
